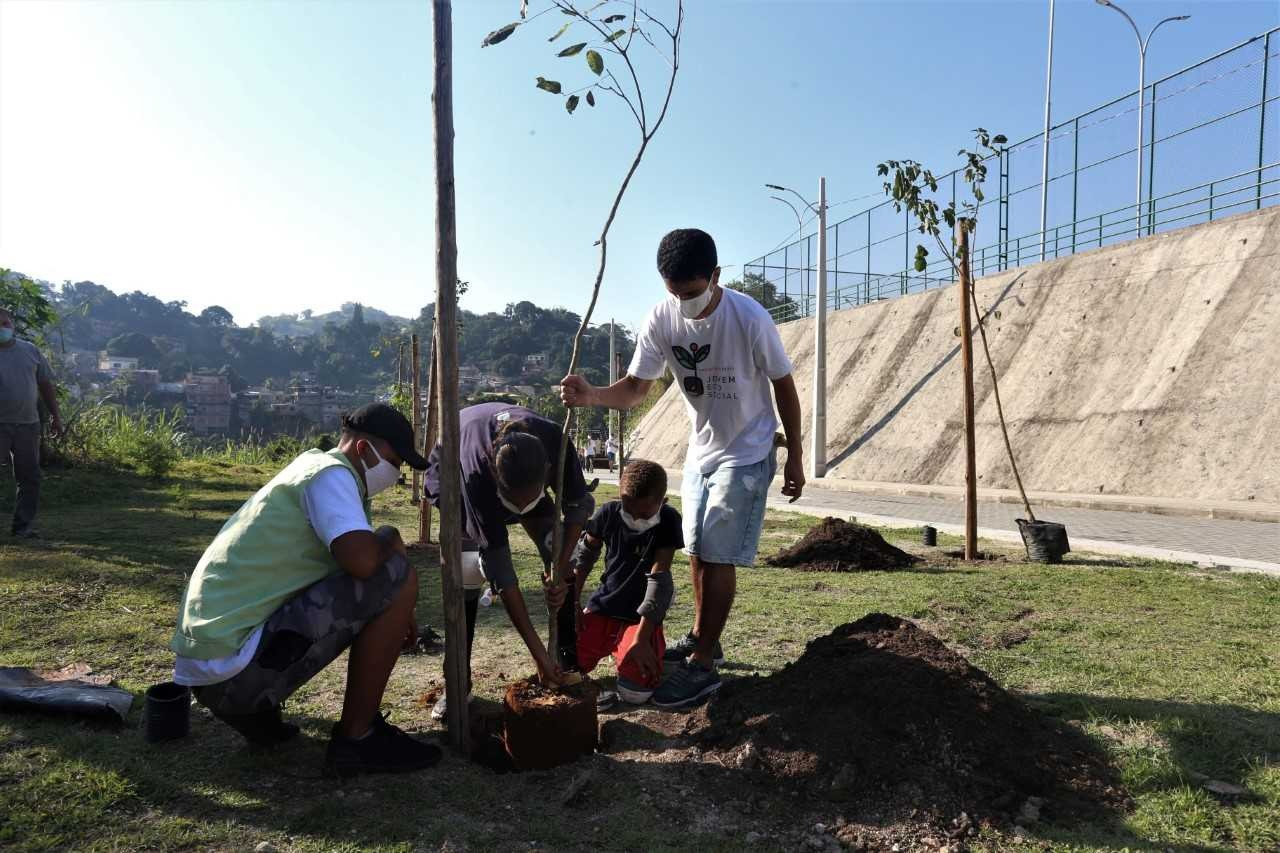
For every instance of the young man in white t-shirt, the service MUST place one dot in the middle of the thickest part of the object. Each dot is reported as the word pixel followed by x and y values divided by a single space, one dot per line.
pixel 725 352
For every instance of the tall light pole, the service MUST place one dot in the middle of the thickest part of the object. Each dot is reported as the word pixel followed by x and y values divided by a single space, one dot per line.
pixel 818 451
pixel 1142 85
pixel 1044 167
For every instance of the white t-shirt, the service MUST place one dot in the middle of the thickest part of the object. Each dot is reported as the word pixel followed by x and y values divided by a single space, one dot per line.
pixel 724 364
pixel 331 504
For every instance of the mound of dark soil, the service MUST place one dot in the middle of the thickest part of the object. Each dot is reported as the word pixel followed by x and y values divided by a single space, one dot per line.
pixel 882 716
pixel 835 545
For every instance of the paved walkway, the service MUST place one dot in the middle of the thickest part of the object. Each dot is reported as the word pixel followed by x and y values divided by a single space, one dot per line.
pixel 1243 545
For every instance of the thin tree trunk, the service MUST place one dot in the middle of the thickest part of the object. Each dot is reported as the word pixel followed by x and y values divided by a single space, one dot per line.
pixel 446 344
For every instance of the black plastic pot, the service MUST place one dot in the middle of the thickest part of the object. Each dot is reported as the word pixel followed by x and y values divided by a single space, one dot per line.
pixel 166 712
pixel 929 535
pixel 1046 541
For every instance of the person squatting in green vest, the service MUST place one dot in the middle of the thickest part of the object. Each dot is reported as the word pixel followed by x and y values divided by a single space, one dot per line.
pixel 295 577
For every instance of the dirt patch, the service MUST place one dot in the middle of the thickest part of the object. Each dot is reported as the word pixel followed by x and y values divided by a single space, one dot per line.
pixel 546 727
pixel 883 718
pixel 835 545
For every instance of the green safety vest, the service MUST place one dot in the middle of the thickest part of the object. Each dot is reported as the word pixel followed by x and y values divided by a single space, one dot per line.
pixel 264 555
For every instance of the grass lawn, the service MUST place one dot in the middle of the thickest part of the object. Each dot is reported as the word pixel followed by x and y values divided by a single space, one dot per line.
pixel 1175 671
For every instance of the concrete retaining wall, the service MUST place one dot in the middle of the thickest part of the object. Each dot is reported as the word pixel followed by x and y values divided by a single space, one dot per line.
pixel 1151 368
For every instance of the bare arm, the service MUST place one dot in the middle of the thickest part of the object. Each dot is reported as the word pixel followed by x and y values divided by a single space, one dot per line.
pixel 49 394
pixel 360 553
pixel 622 395
pixel 513 603
pixel 788 403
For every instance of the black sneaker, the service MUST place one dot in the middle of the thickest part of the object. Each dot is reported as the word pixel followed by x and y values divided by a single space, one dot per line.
pixel 262 728
pixel 386 749
pixel 685 647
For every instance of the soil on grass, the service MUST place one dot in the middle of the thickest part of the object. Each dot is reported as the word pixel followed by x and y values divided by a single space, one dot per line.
pixel 546 727
pixel 835 545
pixel 881 717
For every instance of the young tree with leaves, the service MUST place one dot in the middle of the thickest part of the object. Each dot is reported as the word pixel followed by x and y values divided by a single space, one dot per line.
pixel 615 30
pixel 912 186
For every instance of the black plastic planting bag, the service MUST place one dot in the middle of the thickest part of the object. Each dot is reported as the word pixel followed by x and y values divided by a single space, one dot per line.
pixel 71 690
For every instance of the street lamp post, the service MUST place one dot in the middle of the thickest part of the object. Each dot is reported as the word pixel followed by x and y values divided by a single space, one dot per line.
pixel 1142 85
pixel 818 452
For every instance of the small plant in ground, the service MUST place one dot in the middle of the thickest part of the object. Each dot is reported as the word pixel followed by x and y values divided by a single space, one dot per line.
pixel 911 187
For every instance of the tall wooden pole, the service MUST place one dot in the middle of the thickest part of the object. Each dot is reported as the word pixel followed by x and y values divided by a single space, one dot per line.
pixel 433 430
pixel 446 345
pixel 966 359
pixel 417 415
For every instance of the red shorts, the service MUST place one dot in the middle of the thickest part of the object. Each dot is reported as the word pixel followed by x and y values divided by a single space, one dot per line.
pixel 600 636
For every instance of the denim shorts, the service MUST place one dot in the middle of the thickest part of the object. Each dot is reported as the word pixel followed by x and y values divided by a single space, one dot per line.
pixel 724 511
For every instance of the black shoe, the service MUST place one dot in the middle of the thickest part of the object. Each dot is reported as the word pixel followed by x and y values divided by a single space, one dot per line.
pixel 685 647
pixel 262 728
pixel 385 749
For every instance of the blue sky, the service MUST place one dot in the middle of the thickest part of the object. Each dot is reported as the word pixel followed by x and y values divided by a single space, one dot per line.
pixel 276 155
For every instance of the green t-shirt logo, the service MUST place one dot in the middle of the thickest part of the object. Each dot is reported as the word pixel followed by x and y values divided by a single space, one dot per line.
pixel 690 359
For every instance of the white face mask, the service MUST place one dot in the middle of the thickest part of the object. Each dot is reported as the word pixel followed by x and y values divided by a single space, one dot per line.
pixel 381 476
pixel 640 525
pixel 693 306
pixel 517 510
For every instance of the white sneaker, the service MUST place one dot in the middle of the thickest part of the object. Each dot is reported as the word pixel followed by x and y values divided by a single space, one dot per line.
pixel 441 709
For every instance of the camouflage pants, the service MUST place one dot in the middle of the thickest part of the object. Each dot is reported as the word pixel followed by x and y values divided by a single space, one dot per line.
pixel 304 636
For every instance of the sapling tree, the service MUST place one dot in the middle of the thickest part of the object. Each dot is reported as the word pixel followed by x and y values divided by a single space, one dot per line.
pixel 606 36
pixel 913 187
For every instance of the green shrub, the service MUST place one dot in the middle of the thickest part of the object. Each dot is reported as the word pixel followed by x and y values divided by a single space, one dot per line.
pixel 148 441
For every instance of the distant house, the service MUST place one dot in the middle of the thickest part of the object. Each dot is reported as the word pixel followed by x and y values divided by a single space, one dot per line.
pixel 535 361
pixel 208 403
pixel 114 365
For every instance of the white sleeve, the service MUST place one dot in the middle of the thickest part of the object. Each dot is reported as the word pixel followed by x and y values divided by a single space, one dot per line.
pixel 768 353
pixel 331 502
pixel 649 360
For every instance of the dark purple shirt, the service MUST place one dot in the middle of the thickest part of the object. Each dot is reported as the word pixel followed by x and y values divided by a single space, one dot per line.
pixel 485 519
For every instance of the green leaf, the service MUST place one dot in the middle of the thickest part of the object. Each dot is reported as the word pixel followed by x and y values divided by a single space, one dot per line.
pixel 571 104
pixel 561 31
pixel 499 35
pixel 702 354
pixel 617 34
pixel 684 357
pixel 591 98
pixel 595 62
pixel 573 50
pixel 999 139
pixel 613 19
pixel 548 85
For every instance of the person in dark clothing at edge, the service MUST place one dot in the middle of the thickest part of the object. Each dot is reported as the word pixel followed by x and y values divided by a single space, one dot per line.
pixel 507 454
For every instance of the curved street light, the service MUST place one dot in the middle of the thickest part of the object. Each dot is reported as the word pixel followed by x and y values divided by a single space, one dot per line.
pixel 1142 85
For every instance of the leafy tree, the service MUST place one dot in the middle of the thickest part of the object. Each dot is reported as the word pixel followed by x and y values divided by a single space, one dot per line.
pixel 32 311
pixel 137 345
pixel 765 292
pixel 216 315
pixel 509 366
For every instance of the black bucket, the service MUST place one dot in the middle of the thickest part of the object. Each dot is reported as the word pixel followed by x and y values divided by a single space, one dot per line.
pixel 1046 541
pixel 929 535
pixel 166 713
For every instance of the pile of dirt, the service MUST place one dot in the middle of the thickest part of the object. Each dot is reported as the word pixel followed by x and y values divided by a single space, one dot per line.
pixel 835 545
pixel 880 715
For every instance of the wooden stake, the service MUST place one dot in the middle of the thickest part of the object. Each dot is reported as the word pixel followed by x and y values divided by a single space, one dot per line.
pixel 966 360
pixel 433 429
pixel 446 345
pixel 417 415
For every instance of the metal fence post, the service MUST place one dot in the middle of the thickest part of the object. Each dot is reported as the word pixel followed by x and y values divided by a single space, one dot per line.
pixel 1075 183
pixel 1262 120
pixel 1151 167
pixel 866 283
pixel 906 248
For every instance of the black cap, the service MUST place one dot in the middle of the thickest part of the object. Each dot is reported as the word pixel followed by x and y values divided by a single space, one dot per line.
pixel 386 423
